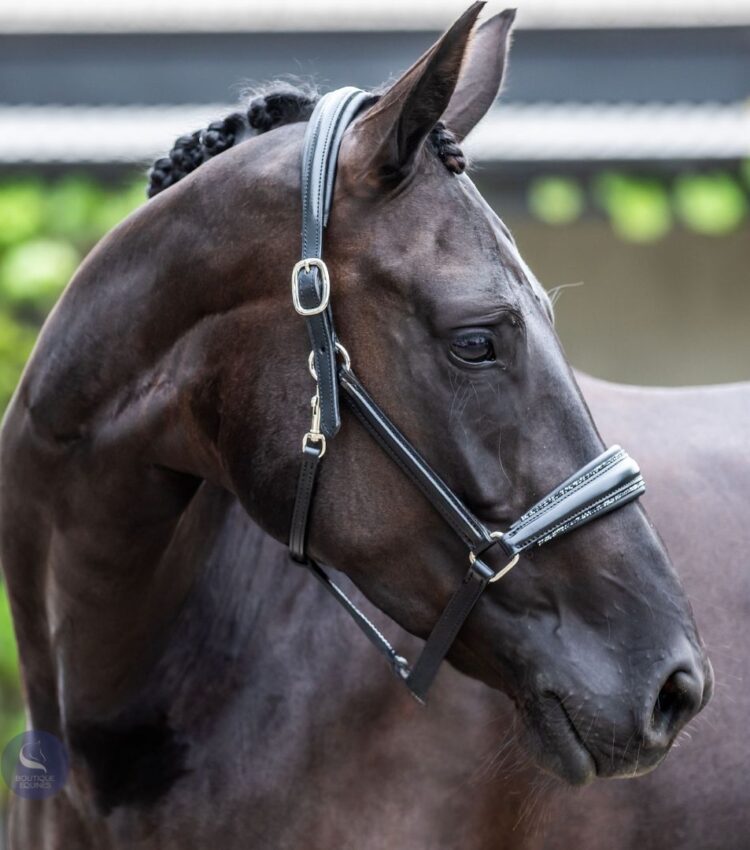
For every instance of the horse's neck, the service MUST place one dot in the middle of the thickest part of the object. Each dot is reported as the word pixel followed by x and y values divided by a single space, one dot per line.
pixel 103 453
pixel 207 646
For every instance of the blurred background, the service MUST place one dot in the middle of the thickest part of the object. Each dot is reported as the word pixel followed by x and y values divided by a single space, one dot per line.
pixel 619 156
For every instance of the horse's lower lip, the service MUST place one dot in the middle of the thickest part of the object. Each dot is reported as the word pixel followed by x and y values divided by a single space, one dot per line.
pixel 572 760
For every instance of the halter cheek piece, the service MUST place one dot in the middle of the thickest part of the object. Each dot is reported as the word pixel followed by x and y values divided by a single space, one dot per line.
pixel 607 482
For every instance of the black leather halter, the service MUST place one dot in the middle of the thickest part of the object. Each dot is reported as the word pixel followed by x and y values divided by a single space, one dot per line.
pixel 607 482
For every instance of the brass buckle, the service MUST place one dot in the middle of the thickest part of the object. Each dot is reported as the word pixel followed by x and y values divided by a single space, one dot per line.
pixel 497 535
pixel 325 280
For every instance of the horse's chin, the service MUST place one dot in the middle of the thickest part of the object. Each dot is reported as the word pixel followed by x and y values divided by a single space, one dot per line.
pixel 554 742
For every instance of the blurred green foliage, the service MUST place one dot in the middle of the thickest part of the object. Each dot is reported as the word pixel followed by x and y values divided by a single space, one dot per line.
pixel 645 209
pixel 556 200
pixel 46 228
pixel 638 208
pixel 712 204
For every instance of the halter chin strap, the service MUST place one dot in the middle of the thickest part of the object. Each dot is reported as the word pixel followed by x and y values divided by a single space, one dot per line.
pixel 606 483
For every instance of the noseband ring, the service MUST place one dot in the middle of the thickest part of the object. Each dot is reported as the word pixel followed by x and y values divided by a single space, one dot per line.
pixel 602 485
pixel 497 535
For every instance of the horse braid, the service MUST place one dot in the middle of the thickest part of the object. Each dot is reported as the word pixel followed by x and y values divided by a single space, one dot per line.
pixel 191 151
pixel 265 112
pixel 447 148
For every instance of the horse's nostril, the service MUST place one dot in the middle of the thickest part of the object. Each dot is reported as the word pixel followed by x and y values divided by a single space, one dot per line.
pixel 678 700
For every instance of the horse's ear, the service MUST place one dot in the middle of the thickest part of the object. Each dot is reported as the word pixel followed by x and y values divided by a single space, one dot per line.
pixel 481 74
pixel 390 135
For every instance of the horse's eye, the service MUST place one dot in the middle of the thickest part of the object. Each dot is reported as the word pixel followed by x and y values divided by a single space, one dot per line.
pixel 473 347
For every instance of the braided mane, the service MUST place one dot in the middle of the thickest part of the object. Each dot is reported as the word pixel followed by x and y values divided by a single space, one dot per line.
pixel 280 104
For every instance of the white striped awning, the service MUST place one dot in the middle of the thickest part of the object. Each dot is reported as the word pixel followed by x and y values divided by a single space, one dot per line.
pixel 570 131
pixel 511 132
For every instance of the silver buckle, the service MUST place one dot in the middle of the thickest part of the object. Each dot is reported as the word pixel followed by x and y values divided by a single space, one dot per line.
pixel 325 295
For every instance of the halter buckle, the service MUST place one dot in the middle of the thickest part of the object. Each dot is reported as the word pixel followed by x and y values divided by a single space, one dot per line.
pixel 325 280
pixel 497 535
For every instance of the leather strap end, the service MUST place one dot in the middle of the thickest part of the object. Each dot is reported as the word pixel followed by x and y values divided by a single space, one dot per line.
pixel 311 455
pixel 325 368
pixel 446 630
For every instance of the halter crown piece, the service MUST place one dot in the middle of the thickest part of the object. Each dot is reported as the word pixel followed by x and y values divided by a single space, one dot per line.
pixel 602 485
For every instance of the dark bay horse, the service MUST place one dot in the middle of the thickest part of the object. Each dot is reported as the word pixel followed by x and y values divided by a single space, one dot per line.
pixel 204 688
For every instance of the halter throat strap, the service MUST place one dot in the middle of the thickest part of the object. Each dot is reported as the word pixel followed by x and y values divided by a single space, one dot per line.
pixel 606 483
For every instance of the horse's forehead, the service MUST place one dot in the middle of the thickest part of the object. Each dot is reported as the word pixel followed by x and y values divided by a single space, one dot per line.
pixel 454 255
pixel 435 220
pixel 507 252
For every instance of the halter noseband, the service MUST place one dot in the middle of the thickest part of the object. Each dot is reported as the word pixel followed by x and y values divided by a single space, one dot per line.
pixel 604 484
